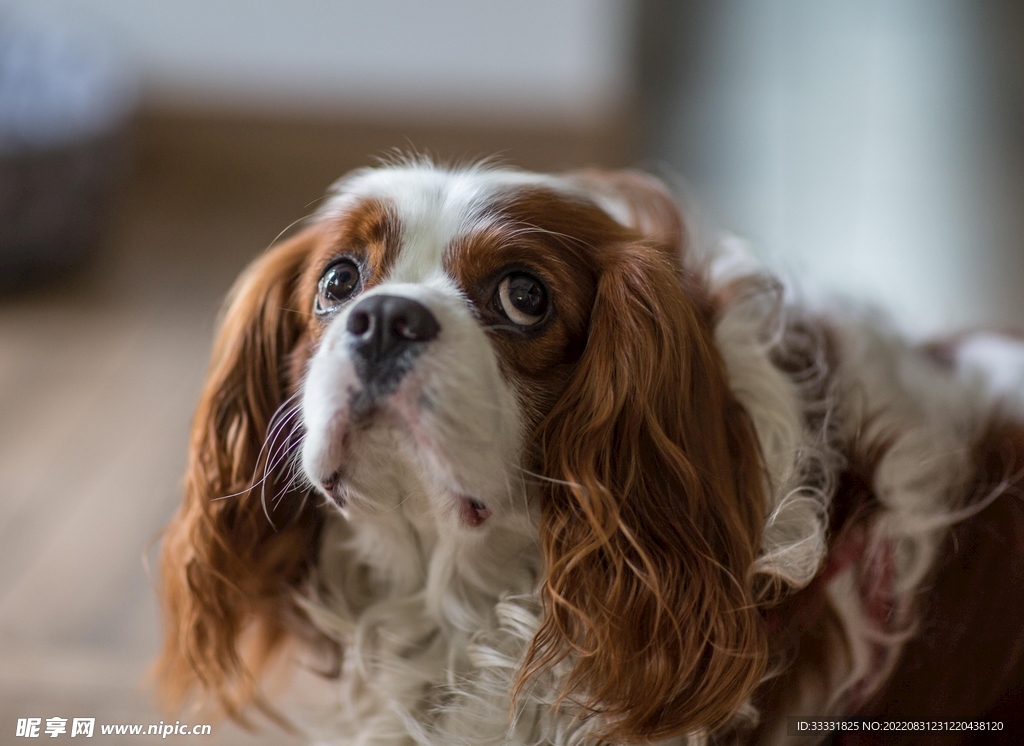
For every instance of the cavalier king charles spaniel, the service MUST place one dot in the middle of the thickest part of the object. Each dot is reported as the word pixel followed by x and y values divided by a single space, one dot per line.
pixel 508 461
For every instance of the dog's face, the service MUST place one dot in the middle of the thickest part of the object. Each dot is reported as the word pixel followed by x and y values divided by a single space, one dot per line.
pixel 482 353
pixel 447 312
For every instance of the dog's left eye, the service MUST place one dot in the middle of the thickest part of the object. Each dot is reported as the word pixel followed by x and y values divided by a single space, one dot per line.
pixel 522 299
pixel 337 284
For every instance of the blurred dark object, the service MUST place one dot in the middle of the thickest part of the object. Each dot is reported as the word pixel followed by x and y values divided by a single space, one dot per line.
pixel 66 99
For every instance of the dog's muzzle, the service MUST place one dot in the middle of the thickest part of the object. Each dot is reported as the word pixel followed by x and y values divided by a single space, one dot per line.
pixel 385 334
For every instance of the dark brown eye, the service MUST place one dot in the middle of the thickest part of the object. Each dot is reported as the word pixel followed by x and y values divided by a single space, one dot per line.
pixel 522 299
pixel 337 284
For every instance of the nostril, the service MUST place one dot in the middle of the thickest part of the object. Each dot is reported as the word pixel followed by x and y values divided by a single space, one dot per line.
pixel 401 327
pixel 358 322
pixel 413 321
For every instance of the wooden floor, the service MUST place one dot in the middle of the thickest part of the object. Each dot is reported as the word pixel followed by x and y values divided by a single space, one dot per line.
pixel 98 378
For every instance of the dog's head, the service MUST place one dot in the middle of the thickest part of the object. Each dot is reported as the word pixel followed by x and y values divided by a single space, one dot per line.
pixel 489 356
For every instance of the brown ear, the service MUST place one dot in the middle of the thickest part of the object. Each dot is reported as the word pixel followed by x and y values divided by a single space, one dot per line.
pixel 638 201
pixel 651 514
pixel 226 570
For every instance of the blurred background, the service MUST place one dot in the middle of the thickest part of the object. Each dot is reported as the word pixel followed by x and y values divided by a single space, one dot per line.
pixel 149 149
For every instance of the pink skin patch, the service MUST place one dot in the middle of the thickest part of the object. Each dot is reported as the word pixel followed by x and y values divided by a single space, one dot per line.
pixel 331 482
pixel 473 512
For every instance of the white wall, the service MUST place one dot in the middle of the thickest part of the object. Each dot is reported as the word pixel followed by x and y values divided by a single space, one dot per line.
pixel 857 144
pixel 429 58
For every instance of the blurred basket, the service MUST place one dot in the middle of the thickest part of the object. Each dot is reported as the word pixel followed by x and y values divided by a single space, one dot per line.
pixel 66 98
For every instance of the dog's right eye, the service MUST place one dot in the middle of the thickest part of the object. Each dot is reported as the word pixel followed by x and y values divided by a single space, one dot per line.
pixel 338 283
pixel 522 299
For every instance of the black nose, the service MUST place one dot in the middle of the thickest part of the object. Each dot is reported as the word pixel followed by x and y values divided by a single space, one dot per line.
pixel 382 327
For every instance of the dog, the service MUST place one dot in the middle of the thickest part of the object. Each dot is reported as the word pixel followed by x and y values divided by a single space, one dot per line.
pixel 508 460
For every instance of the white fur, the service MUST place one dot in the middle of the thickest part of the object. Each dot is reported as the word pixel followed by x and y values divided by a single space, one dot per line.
pixel 890 392
pixel 996 364
pixel 800 462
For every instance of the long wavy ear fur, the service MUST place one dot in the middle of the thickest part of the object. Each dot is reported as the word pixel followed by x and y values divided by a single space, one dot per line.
pixel 651 512
pixel 226 570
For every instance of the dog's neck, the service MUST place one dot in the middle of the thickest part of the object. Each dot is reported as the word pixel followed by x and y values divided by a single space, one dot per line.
pixel 407 545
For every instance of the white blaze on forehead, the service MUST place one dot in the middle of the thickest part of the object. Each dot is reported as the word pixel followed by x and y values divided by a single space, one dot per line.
pixel 433 207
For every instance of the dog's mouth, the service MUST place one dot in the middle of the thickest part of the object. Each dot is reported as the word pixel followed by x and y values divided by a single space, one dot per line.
pixel 472 512
pixel 330 484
